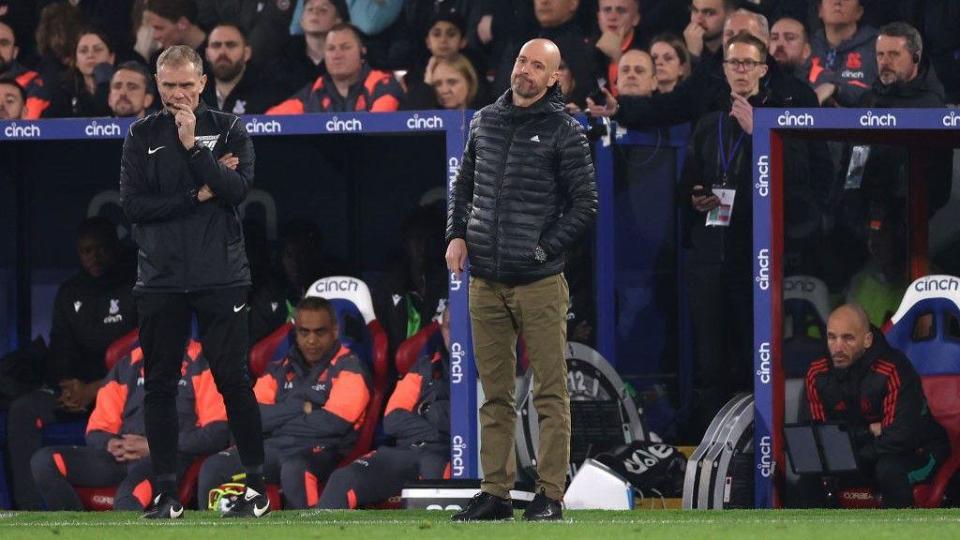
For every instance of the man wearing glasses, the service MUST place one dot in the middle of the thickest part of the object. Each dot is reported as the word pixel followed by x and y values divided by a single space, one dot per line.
pixel 716 193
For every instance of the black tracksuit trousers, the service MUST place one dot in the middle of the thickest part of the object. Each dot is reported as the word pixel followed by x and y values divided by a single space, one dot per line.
pixel 165 321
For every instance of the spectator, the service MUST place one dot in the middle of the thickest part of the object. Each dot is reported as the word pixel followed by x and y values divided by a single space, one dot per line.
pixel 312 404
pixel 843 65
pixel 84 91
pixel 875 391
pixel 37 97
pixel 237 86
pixel 12 99
pixel 174 22
pixel 130 90
pixel 618 21
pixel 636 74
pixel 57 35
pixel 301 60
pixel 706 89
pixel 906 80
pixel 300 263
pixel 417 417
pixel 374 16
pixel 718 171
pixel 117 451
pixel 265 25
pixel 92 310
pixel 349 85
pixel 790 47
pixel 671 61
pixel 556 21
pixel 456 84
pixel 445 39
pixel 568 86
pixel 704 34
pixel 937 22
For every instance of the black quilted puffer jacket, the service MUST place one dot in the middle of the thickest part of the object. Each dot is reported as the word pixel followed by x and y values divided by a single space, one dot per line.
pixel 527 179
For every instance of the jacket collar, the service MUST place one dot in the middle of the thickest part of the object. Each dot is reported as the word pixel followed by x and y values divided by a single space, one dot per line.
pixel 297 356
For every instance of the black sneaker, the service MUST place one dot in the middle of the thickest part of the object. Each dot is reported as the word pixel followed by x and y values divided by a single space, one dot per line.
pixel 543 508
pixel 486 507
pixel 164 507
pixel 251 504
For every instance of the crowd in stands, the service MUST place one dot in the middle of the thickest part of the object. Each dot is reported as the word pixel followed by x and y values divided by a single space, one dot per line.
pixel 645 63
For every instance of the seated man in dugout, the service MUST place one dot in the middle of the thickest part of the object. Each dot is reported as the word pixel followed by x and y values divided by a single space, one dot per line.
pixel 875 391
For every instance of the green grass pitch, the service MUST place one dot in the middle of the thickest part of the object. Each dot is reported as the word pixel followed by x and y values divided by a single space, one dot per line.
pixel 422 525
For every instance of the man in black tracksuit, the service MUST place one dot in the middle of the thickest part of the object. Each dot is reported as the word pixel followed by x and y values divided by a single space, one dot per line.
pixel 874 390
pixel 183 206
pixel 92 309
pixel 418 418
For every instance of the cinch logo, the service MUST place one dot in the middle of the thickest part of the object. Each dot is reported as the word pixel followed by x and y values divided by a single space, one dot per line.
pixel 878 120
pixel 766 457
pixel 763 171
pixel 801 285
pixel 433 122
pixel 453 167
pixel 335 125
pixel 456 359
pixel 763 277
pixel 103 500
pixel 255 127
pixel 338 285
pixel 795 120
pixel 94 129
pixel 934 285
pixel 764 371
pixel 951 120
pixel 847 74
pixel 457 449
pixel 22 132
pixel 455 281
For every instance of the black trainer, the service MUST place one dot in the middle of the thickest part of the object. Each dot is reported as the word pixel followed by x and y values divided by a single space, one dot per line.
pixel 250 504
pixel 486 507
pixel 543 508
pixel 164 507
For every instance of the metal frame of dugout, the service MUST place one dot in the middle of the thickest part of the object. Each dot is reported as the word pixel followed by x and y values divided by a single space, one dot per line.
pixel 919 130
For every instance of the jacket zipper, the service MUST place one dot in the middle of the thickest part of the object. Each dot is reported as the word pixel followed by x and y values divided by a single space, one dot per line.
pixel 496 229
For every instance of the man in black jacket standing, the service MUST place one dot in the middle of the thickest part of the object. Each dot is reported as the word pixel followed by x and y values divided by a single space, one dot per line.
pixel 523 196
pixel 183 206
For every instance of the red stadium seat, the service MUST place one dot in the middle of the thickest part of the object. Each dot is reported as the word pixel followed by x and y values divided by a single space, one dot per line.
pixel 409 350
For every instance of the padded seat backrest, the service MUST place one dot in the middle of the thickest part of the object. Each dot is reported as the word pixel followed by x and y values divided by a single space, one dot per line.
pixel 925 326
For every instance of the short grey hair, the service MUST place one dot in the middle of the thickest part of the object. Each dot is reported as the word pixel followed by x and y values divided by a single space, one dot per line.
pixel 761 21
pixel 180 55
pixel 907 32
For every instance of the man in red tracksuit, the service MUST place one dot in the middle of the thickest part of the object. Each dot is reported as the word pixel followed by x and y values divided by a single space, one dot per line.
pixel 312 403
pixel 418 417
pixel 117 451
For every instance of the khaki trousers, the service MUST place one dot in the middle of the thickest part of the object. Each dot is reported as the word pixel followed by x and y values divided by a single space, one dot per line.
pixel 499 314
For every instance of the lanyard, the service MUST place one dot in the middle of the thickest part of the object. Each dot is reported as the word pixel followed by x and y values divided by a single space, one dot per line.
pixel 726 160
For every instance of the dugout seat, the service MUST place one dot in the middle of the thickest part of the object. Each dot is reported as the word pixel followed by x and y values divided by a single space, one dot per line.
pixel 410 349
pixel 806 307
